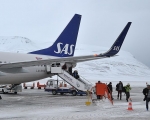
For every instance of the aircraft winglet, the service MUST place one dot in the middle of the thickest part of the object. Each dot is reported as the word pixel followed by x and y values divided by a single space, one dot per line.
pixel 115 48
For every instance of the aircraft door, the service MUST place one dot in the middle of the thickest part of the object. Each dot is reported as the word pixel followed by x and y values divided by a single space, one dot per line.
pixel 48 68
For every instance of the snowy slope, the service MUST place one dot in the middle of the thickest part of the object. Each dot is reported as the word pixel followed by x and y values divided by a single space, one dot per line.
pixel 17 44
pixel 122 67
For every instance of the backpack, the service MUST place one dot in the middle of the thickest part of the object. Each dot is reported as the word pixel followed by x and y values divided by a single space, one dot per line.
pixel 117 87
pixel 124 89
pixel 145 91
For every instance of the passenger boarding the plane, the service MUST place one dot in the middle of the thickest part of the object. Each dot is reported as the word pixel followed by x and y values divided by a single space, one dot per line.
pixel 70 69
pixel 64 67
pixel 75 74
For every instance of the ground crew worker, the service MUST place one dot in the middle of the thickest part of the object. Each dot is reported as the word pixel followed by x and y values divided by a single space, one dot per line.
pixel 127 88
pixel 99 96
pixel 110 89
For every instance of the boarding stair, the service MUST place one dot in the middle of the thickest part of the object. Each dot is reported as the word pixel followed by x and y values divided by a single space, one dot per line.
pixel 80 83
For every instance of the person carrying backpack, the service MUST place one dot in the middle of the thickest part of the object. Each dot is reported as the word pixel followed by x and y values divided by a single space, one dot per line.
pixel 119 88
pixel 145 93
pixel 128 88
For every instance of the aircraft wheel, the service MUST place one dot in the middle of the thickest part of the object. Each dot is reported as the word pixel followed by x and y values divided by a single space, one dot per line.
pixel 62 93
pixel 54 92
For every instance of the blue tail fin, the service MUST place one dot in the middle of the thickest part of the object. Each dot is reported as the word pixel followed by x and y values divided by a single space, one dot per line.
pixel 65 44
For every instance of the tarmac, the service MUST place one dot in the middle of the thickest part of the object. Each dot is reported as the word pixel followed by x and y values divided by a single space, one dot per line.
pixel 34 104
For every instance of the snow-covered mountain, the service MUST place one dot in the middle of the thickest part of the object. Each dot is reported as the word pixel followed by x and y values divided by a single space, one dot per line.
pixel 123 67
pixel 17 44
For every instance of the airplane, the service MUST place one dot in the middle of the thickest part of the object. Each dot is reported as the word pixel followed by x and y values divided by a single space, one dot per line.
pixel 17 68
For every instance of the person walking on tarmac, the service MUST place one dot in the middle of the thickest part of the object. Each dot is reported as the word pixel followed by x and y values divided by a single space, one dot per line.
pixel 110 89
pixel 119 88
pixel 147 92
pixel 127 88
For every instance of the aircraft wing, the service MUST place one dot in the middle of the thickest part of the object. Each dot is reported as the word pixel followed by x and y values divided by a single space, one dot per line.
pixel 49 61
pixel 115 48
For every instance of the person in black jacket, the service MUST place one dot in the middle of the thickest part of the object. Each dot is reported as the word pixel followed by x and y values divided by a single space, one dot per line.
pixel 75 74
pixel 110 89
pixel 70 69
pixel 145 91
pixel 119 88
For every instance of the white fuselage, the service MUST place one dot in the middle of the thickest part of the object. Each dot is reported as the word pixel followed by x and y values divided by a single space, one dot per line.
pixel 32 73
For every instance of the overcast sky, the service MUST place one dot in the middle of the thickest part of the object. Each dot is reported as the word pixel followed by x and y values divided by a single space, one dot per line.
pixel 102 21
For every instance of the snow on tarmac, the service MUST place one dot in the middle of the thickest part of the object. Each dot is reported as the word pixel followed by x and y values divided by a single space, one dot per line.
pixel 39 105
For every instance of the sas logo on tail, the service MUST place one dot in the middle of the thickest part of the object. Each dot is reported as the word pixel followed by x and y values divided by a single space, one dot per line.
pixel 65 49
pixel 116 48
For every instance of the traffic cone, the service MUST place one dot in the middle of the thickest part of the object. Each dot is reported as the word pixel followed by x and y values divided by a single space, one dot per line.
pixel 130 104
